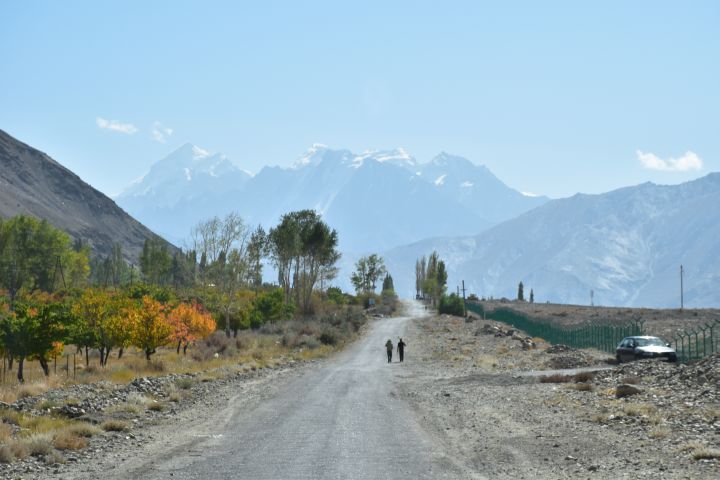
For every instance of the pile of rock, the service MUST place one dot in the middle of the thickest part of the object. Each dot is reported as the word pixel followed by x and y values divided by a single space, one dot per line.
pixel 526 342
pixel 564 357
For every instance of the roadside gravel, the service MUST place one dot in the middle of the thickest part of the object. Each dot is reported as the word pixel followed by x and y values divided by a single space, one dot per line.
pixel 152 433
pixel 482 395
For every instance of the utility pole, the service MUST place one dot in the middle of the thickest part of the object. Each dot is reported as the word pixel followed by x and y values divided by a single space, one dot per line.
pixel 464 306
pixel 458 290
pixel 682 300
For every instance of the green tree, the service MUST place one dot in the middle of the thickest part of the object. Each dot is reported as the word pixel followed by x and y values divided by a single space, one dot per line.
pixel 452 305
pixel 270 307
pixel 532 296
pixel 35 328
pixel 155 261
pixel 256 249
pixel 34 255
pixel 367 272
pixel 434 276
pixel 388 284
pixel 302 247
pixel 521 294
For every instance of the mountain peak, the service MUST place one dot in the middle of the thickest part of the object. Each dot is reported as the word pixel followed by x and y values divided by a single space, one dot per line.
pixel 444 158
pixel 312 155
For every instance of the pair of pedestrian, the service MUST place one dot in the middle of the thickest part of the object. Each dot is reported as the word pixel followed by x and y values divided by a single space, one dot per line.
pixel 400 349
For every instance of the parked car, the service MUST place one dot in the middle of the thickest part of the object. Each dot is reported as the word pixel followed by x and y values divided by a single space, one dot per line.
pixel 637 348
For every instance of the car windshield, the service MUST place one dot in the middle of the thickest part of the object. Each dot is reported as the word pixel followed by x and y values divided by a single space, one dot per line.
pixel 649 342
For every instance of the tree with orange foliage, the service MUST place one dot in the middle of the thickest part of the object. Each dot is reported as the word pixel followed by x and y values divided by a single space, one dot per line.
pixel 150 327
pixel 190 323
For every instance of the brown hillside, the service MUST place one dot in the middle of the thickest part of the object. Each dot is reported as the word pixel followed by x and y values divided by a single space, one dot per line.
pixel 32 183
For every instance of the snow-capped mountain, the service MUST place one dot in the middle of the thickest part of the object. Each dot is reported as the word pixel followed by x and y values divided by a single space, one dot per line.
pixel 376 200
pixel 626 245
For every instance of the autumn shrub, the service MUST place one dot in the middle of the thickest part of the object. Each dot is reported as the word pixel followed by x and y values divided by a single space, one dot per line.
pixel 69 441
pixel 114 426
pixel 83 429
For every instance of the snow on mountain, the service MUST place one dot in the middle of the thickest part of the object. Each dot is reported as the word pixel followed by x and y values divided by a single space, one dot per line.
pixel 625 245
pixel 185 173
pixel 375 199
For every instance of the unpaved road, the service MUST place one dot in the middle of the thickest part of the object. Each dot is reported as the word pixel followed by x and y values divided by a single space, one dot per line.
pixel 344 419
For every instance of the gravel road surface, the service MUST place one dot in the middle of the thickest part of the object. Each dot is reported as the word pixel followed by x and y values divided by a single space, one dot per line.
pixel 344 419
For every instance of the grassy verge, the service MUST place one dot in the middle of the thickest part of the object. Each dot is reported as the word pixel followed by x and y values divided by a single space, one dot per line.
pixel 218 356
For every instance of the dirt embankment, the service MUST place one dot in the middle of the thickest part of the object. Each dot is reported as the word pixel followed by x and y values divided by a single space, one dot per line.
pixel 665 323
pixel 482 394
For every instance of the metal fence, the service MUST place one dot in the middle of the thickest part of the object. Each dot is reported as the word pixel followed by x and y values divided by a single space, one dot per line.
pixel 698 342
pixel 601 335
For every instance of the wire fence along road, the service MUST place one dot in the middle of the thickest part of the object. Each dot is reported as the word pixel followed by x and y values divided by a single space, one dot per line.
pixel 601 335
pixel 690 345
pixel 698 342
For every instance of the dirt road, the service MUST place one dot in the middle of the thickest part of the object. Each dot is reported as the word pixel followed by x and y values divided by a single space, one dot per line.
pixel 344 419
pixel 464 405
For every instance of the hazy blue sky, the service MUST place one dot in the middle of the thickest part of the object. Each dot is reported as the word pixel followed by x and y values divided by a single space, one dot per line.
pixel 554 97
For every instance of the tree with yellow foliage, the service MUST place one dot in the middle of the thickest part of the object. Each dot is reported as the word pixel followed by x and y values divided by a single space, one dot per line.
pixel 150 327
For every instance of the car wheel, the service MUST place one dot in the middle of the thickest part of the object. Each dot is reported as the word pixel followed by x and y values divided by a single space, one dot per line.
pixel 618 358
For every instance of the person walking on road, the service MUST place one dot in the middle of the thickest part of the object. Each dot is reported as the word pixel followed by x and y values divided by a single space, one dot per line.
pixel 401 349
pixel 389 347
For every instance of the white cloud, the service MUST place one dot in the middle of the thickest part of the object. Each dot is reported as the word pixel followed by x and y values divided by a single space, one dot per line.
pixel 160 133
pixel 115 126
pixel 689 161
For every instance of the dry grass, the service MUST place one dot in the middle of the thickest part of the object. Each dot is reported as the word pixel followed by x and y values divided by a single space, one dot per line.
pixel 583 377
pixel 19 450
pixel 83 429
pixel 639 409
pixel 31 424
pixel 6 454
pixel 54 458
pixel 582 387
pixel 601 418
pixel 115 426
pixel 631 380
pixel 486 362
pixel 31 390
pixel 69 441
pixel 691 446
pixel 556 378
pixel 659 433
pixel 184 383
pixel 175 397
pixel 39 444
pixel 706 454
pixel 156 407
pixel 5 432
